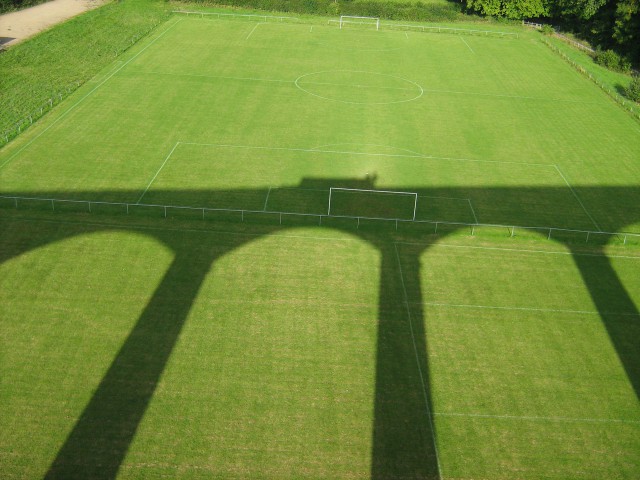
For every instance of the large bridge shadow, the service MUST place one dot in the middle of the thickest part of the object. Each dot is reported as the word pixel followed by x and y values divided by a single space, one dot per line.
pixel 404 442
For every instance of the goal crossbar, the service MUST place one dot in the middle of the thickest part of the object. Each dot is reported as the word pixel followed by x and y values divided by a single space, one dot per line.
pixel 387 192
pixel 361 20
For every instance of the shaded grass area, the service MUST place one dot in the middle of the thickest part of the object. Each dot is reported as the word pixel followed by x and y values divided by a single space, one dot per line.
pixel 291 354
pixel 266 362
pixel 55 62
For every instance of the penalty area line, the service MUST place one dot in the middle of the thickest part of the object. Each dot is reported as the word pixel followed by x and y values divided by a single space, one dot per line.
pixel 266 200
pixel 252 30
pixel 577 198
pixel 465 42
pixel 347 152
pixel 158 172
pixel 415 351
pixel 472 210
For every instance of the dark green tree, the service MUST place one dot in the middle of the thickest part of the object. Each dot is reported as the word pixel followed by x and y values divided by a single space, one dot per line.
pixel 582 9
pixel 626 31
pixel 514 9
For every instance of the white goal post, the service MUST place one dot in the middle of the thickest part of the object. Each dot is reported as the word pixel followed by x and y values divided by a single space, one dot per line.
pixel 360 20
pixel 387 192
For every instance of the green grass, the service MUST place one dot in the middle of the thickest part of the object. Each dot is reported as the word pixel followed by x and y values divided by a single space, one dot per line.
pixel 279 368
pixel 272 375
pixel 137 346
pixel 201 91
pixel 498 358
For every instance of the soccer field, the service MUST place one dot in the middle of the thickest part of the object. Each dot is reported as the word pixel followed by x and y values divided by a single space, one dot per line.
pixel 143 347
pixel 215 113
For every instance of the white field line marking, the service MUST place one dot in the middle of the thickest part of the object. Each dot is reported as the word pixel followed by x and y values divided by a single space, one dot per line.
pixel 577 198
pixel 356 85
pixel 444 198
pixel 415 351
pixel 525 309
pixel 390 155
pixel 252 30
pixel 161 167
pixel 551 419
pixel 72 107
pixel 311 29
pixel 472 210
pixel 367 145
pixel 217 77
pixel 519 250
pixel 97 79
pixel 266 200
pixel 499 95
pixel 465 42
pixel 348 85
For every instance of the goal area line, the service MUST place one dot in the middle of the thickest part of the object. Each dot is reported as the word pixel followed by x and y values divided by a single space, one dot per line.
pixel 374 192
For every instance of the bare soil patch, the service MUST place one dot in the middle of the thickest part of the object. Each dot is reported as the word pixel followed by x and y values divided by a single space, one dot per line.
pixel 18 26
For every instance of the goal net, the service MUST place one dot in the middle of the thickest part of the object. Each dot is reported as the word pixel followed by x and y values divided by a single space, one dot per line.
pixel 373 204
pixel 347 19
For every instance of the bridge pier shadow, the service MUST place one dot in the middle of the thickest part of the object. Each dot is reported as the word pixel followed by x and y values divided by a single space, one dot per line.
pixel 404 442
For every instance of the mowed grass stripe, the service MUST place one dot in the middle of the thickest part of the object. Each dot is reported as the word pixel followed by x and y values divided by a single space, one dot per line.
pixel 554 374
pixel 289 385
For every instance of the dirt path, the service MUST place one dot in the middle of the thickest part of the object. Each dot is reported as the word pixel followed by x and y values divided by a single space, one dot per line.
pixel 18 26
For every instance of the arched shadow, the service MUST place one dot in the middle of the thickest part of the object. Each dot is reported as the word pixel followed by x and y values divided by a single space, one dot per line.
pixel 404 441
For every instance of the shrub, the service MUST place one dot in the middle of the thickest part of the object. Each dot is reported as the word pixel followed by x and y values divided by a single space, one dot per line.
pixel 613 61
pixel 547 30
pixel 633 90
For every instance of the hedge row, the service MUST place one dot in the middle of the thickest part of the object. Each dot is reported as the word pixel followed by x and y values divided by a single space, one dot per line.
pixel 11 5
pixel 390 10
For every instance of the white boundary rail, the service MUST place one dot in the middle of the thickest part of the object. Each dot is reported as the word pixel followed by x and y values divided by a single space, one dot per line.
pixel 537 26
pixel 437 29
pixel 266 18
pixel 550 232
pixel 379 25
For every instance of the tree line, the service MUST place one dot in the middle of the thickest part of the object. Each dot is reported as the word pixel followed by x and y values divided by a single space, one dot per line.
pixel 608 24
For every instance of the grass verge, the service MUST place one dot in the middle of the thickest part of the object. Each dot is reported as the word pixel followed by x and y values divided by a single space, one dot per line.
pixel 38 74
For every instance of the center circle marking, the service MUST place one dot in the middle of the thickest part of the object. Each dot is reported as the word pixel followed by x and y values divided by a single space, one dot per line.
pixel 358 73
